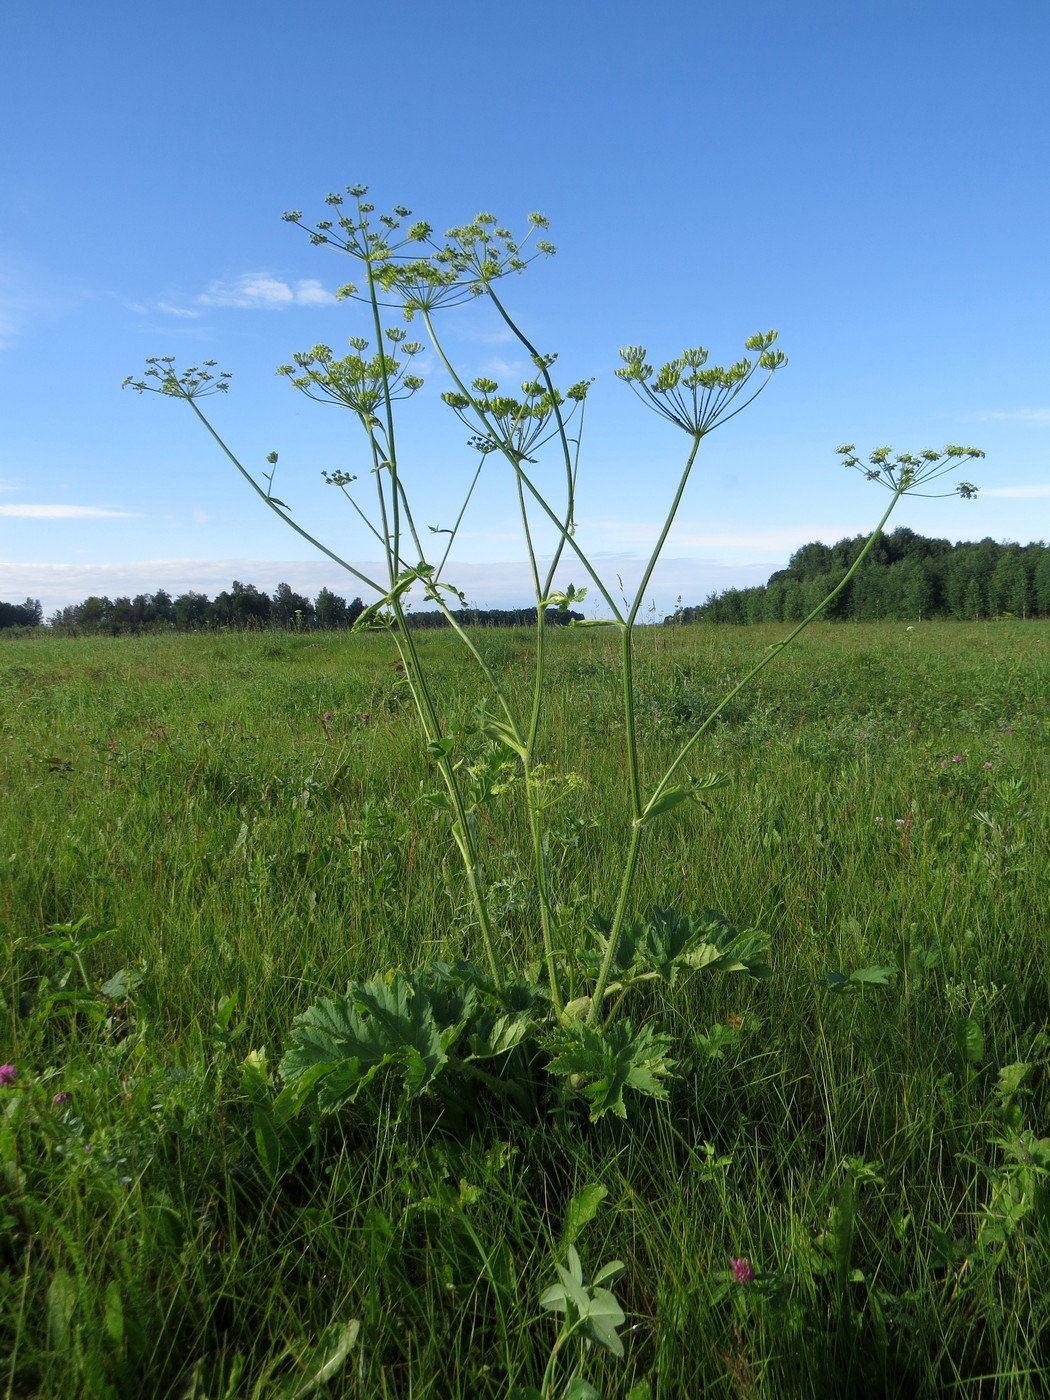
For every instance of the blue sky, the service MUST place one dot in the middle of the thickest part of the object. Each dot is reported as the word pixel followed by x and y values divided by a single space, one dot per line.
pixel 869 178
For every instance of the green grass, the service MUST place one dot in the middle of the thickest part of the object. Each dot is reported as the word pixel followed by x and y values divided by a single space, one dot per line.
pixel 188 793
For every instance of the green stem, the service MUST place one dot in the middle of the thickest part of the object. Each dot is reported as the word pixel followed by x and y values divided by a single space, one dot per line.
pixel 377 587
pixel 627 685
pixel 773 652
pixel 561 526
pixel 483 665
pixel 619 917
pixel 388 402
pixel 459 521
pixel 639 827
pixel 633 770
pixel 539 857
pixel 658 548
pixel 463 831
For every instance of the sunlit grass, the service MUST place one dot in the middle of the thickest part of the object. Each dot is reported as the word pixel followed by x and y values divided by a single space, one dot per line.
pixel 244 812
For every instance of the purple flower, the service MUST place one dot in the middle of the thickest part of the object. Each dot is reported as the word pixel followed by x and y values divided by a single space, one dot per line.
pixel 327 714
pixel 365 717
pixel 8 1075
pixel 61 1098
pixel 987 765
pixel 743 1270
pixel 957 758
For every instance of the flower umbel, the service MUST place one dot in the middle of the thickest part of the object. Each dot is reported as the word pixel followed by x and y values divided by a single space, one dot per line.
pixel 903 473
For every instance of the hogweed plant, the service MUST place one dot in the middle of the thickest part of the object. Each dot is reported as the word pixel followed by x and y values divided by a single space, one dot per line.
pixel 461 1021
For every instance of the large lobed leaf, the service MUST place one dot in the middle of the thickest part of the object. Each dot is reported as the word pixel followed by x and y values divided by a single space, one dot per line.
pixel 602 1062
pixel 409 1021
pixel 340 1043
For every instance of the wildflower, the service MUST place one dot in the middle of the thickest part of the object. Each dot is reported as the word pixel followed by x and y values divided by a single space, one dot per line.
pixel 878 821
pixel 365 717
pixel 957 758
pixel 327 715
pixel 987 765
pixel 61 1098
pixel 944 763
pixel 8 1075
pixel 743 1270
pixel 899 821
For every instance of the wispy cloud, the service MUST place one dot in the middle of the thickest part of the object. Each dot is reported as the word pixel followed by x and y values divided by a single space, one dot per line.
pixel 6 485
pixel 1015 415
pixel 1018 492
pixel 29 512
pixel 498 368
pixel 182 311
pixel 259 290
pixel 685 535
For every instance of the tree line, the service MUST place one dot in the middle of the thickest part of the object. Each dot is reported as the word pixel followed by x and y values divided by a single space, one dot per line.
pixel 906 577
pixel 243 607
pixel 27 614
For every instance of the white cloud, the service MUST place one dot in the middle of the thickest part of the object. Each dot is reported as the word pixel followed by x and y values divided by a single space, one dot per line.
pixel 6 485
pixel 28 512
pixel 257 289
pixel 170 310
pixel 1017 415
pixel 498 584
pixel 309 292
pixel 500 369
pixel 1016 492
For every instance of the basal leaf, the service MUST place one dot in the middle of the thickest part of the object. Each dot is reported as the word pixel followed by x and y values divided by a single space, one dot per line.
pixel 341 1043
pixel 602 1062
pixel 491 1035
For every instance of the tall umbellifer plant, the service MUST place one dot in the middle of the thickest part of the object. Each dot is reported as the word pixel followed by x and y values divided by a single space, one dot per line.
pixel 438 1022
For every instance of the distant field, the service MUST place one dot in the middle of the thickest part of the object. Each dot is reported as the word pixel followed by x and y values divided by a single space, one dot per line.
pixel 243 811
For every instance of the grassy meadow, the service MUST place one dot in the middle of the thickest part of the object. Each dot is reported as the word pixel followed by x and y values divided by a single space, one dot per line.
pixel 237 820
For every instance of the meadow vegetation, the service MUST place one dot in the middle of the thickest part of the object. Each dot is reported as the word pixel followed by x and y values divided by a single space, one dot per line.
pixel 395 1013
pixel 845 1190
